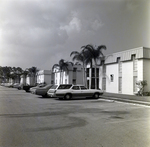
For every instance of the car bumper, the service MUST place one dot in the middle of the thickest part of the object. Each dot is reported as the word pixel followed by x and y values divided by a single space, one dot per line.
pixel 51 94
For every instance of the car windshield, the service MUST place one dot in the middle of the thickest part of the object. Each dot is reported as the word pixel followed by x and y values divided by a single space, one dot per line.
pixel 48 86
pixel 54 87
pixel 64 86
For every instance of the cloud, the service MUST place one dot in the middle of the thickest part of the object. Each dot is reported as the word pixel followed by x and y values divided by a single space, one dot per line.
pixel 40 33
pixel 132 5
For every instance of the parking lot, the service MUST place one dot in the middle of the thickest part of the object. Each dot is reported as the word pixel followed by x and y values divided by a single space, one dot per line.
pixel 28 120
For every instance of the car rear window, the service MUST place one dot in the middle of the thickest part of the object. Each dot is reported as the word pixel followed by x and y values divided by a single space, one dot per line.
pixel 64 86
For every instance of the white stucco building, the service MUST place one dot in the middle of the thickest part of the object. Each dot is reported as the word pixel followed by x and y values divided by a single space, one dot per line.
pixel 120 71
pixel 44 76
pixel 74 75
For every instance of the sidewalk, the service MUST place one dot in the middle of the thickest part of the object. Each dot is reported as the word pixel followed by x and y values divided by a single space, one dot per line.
pixel 144 100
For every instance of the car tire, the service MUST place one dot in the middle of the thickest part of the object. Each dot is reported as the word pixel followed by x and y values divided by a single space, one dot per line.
pixel 67 96
pixel 96 95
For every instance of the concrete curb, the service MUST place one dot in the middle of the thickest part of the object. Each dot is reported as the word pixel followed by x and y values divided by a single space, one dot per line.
pixel 127 98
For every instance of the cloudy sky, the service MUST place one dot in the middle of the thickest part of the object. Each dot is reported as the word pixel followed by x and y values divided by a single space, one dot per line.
pixel 41 32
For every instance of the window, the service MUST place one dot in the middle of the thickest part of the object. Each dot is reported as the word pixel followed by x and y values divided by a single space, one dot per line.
pixel 74 81
pixel 120 67
pixel 97 72
pixel 87 72
pixel 74 69
pixel 83 88
pixel 67 86
pixel 75 88
pixel 112 78
pixel 134 63
pixel 93 72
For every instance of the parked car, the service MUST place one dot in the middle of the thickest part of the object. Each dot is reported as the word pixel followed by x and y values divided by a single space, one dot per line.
pixel 20 86
pixel 40 90
pixel 51 92
pixel 79 91
pixel 16 85
pixel 28 87
pixel 10 85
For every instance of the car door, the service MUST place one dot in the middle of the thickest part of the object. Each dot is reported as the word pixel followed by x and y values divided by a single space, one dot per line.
pixel 86 92
pixel 76 91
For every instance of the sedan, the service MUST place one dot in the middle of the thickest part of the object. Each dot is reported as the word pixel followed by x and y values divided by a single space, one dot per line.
pixel 78 91
pixel 40 90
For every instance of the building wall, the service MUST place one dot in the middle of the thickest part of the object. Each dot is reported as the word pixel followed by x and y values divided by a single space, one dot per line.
pixel 146 74
pixel 23 80
pixel 112 86
pixel 67 77
pixel 44 76
pixel 127 77
pixel 140 70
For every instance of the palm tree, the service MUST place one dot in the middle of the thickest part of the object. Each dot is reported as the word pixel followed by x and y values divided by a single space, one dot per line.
pixel 61 66
pixel 79 56
pixel 91 54
pixel 32 73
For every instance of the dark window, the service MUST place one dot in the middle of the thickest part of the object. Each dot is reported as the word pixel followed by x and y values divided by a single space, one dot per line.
pixel 74 69
pixel 74 81
pixel 83 87
pixel 87 72
pixel 64 86
pixel 75 88
pixel 93 83
pixel 93 72
pixel 111 78
pixel 97 72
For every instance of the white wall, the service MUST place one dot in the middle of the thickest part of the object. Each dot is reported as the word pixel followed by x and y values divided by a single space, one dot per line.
pixel 146 74
pixel 112 69
pixel 140 69
pixel 127 77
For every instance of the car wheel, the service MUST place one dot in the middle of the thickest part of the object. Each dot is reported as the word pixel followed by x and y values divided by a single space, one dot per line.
pixel 67 97
pixel 96 95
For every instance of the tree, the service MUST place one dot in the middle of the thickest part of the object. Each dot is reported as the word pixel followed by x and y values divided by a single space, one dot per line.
pixel 141 84
pixel 93 54
pixel 61 66
pixel 6 73
pixel 79 56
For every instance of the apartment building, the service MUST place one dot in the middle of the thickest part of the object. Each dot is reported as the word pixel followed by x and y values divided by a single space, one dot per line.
pixel 44 76
pixel 122 70
pixel 73 75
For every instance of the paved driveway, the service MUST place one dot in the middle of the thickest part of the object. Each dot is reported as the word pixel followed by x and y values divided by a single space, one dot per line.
pixel 27 120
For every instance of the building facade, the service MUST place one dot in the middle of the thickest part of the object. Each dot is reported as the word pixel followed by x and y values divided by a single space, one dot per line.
pixel 122 70
pixel 74 75
pixel 44 76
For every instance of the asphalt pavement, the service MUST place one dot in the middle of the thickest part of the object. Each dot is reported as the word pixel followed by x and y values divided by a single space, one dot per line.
pixel 143 100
